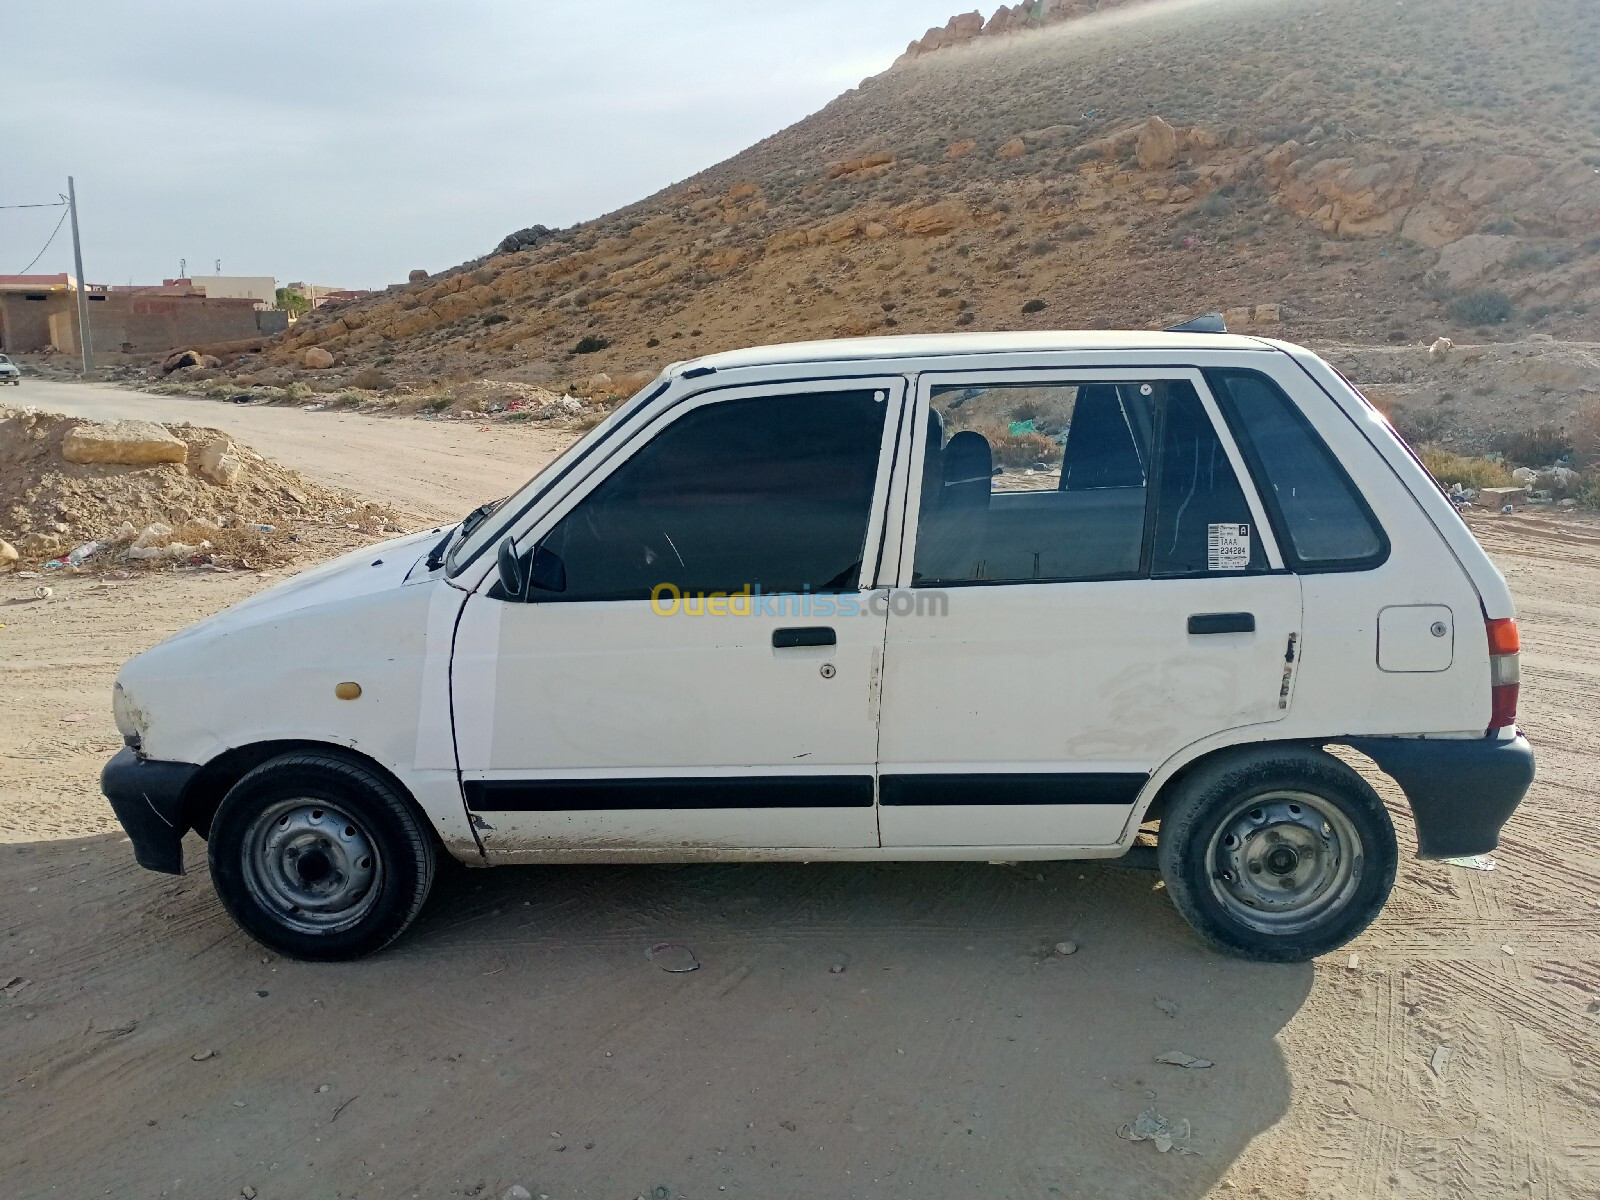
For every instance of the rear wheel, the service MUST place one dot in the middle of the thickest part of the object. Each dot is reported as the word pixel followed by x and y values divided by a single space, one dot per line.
pixel 1278 854
pixel 319 857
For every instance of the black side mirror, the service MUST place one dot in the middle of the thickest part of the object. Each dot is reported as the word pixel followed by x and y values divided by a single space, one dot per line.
pixel 523 574
pixel 512 583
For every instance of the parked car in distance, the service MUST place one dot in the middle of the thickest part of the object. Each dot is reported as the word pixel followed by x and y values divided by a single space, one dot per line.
pixel 9 371
pixel 979 596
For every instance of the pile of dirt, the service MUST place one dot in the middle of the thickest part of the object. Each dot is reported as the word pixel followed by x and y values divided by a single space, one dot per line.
pixel 1359 173
pixel 155 494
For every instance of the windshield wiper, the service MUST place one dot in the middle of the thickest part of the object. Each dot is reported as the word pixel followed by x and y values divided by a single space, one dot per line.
pixel 468 523
pixel 478 516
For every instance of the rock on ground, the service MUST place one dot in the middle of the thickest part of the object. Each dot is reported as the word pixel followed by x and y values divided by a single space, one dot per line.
pixel 131 443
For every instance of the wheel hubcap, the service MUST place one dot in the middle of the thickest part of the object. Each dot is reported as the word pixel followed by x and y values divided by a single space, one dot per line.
pixel 312 866
pixel 1283 861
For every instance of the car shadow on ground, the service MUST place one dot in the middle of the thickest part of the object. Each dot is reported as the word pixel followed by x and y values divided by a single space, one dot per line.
pixel 847 1029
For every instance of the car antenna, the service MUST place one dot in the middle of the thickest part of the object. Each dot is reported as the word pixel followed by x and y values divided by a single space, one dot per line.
pixel 1210 322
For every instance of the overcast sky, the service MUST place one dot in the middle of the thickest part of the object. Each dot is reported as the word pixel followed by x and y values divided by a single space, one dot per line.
pixel 347 141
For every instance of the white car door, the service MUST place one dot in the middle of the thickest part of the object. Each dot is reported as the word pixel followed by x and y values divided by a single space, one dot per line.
pixel 1094 587
pixel 701 667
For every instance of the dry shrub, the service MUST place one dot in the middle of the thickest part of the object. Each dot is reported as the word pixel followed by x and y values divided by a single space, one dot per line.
pixel 1586 436
pixel 1019 449
pixel 1450 468
pixel 1536 447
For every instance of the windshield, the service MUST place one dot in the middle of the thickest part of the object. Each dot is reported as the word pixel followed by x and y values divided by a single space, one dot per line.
pixel 472 538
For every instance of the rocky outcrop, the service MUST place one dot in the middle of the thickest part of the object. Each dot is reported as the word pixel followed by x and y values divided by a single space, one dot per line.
pixel 1474 256
pixel 1008 18
pixel 525 239
pixel 869 164
pixel 1347 195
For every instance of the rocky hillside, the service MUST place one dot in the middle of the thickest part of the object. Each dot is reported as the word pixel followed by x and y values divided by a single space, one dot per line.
pixel 1354 171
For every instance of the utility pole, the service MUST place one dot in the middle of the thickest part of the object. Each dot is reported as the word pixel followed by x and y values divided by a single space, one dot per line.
pixel 83 295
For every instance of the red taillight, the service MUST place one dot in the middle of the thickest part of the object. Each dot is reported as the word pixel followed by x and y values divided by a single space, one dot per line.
pixel 1505 672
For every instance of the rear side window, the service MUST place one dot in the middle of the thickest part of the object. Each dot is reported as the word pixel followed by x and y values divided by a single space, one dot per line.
pixel 1034 482
pixel 1322 521
pixel 1069 482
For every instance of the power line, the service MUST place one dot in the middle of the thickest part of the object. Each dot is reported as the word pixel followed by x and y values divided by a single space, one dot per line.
pixel 52 204
pixel 51 238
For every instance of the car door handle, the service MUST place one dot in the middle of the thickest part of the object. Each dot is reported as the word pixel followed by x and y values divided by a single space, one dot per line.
pixel 1222 623
pixel 808 635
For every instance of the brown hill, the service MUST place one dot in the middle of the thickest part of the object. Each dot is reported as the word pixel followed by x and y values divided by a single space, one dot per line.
pixel 1327 170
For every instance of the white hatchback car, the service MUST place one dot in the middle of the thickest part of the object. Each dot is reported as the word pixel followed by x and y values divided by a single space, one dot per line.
pixel 987 596
pixel 10 372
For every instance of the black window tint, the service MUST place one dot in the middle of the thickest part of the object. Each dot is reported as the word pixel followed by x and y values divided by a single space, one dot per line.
pixel 1026 482
pixel 1325 523
pixel 774 493
pixel 1202 522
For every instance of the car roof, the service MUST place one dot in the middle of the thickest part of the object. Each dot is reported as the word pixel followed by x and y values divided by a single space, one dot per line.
pixel 935 345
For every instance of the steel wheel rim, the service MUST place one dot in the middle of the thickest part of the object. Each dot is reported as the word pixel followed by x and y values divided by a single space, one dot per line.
pixel 1283 861
pixel 312 866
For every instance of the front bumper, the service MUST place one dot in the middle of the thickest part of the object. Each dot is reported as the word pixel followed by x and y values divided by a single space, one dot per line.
pixel 1461 791
pixel 147 797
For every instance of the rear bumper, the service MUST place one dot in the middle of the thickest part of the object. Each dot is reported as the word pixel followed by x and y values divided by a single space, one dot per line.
pixel 147 797
pixel 1461 791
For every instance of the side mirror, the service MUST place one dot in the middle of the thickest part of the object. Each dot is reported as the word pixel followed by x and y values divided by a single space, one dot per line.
pixel 522 574
pixel 512 582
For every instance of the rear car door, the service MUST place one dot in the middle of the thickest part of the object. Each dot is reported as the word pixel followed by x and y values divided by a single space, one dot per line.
pixel 1089 586
pixel 700 668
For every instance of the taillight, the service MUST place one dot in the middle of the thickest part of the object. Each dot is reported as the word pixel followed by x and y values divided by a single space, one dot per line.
pixel 1505 674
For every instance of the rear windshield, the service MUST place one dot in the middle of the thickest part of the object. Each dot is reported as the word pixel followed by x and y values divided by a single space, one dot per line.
pixel 1321 518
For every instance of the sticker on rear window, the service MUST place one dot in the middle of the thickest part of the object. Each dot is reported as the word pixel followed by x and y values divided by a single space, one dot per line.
pixel 1227 547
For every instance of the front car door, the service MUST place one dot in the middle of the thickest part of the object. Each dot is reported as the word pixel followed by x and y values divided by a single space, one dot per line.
pixel 700 668
pixel 1092 587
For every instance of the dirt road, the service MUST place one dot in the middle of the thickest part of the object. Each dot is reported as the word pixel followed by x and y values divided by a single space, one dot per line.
pixel 437 468
pixel 854 1031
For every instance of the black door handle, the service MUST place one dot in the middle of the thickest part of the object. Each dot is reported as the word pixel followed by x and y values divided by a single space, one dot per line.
pixel 1222 623
pixel 809 635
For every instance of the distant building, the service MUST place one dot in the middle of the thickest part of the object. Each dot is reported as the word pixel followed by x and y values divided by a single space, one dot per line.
pixel 317 294
pixel 261 288
pixel 40 312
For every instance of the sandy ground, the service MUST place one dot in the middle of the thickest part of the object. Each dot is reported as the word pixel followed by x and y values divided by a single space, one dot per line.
pixel 854 1030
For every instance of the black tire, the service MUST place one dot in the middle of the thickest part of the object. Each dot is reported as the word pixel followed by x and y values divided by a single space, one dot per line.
pixel 1311 861
pixel 327 833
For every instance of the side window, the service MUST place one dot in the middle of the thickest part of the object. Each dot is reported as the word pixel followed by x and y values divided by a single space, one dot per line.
pixel 771 493
pixel 1202 522
pixel 1324 524
pixel 1065 482
pixel 1035 482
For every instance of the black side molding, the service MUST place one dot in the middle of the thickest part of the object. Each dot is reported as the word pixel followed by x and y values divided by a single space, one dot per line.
pixel 1222 623
pixel 807 635
pixel 700 792
pixel 1461 790
pixel 1010 787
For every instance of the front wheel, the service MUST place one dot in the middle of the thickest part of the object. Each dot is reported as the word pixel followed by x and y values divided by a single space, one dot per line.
pixel 319 857
pixel 1278 854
